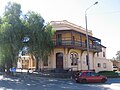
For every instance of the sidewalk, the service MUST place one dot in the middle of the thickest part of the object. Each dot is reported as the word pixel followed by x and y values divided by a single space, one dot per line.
pixel 43 74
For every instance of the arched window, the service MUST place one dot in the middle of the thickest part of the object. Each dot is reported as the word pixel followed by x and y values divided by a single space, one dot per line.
pixel 74 58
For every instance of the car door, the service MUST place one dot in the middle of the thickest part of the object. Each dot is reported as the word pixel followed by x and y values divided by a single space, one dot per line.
pixel 94 77
pixel 89 77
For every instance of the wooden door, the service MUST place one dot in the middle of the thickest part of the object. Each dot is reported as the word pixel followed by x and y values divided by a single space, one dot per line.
pixel 59 60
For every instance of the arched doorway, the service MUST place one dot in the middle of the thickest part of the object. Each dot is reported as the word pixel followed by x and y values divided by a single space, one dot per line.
pixel 59 60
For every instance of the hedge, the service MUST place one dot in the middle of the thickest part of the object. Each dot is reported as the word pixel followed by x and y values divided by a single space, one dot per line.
pixel 108 73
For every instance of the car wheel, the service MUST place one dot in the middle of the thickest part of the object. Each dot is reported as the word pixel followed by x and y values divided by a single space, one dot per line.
pixel 103 80
pixel 84 81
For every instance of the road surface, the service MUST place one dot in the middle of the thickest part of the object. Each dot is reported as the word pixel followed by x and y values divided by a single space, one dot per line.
pixel 42 83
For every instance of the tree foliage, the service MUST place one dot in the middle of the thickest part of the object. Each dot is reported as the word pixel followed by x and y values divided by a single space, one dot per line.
pixel 13 29
pixel 40 35
pixel 118 55
pixel 10 33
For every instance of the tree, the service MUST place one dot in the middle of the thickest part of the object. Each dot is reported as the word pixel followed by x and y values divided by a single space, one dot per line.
pixel 14 30
pixel 118 55
pixel 11 34
pixel 40 35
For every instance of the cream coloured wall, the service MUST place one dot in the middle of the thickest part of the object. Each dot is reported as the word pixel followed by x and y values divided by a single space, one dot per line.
pixel 53 57
pixel 84 63
pixel 93 60
pixel 67 61
pixel 102 60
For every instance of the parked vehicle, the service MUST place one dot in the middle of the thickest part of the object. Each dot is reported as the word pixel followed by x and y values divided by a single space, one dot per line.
pixel 115 68
pixel 89 77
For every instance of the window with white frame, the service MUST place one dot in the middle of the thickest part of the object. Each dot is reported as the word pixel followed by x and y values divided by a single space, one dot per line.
pixel 104 65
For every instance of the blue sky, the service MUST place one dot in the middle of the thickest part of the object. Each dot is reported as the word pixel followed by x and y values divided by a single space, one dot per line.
pixel 103 18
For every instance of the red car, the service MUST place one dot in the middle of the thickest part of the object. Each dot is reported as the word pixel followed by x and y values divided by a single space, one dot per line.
pixel 89 77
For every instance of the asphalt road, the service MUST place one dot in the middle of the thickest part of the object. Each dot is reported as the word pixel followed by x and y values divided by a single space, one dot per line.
pixel 41 83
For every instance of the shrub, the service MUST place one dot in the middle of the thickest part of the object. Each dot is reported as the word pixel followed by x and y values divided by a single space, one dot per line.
pixel 108 73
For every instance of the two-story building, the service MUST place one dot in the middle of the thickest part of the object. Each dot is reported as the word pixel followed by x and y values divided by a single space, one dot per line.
pixel 70 50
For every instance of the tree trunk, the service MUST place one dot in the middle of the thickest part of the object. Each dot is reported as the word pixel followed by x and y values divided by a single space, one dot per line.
pixel 9 65
pixel 37 64
pixel 2 68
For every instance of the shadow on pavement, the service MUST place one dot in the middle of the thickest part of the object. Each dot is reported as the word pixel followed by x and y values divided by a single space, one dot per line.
pixel 21 82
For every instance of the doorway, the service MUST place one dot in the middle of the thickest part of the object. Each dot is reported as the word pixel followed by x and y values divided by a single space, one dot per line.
pixel 59 60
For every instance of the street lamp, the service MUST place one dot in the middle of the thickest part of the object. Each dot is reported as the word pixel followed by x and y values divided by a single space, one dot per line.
pixel 87 34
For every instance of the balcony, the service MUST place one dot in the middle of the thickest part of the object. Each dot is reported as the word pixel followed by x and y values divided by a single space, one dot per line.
pixel 96 47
